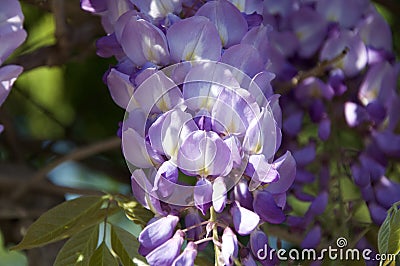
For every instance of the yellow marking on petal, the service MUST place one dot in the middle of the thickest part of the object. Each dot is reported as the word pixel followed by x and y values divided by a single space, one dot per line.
pixel 239 6
pixel 204 172
pixel 261 187
pixel 189 56
pixel 299 35
pixel 223 41
pixel 204 102
pixel 370 94
pixel 162 105
pixel 231 127
pixel 332 17
pixel 258 148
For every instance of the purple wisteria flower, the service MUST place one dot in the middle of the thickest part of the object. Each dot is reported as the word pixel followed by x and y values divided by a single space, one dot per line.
pixel 211 130
pixel 202 131
pixel 12 35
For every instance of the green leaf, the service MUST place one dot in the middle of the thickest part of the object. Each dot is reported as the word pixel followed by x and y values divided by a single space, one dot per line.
pixel 65 220
pixel 103 257
pixel 389 234
pixel 201 261
pixel 383 236
pixel 79 248
pixel 135 211
pixel 125 245
pixel 14 258
pixel 394 237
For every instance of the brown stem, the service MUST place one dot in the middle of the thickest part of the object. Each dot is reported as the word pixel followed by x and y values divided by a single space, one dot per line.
pixel 79 154
pixel 61 31
pixel 8 184
pixel 317 71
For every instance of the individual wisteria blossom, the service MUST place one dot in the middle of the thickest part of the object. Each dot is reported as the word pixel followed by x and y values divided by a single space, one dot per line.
pixel 203 83
pixel 12 35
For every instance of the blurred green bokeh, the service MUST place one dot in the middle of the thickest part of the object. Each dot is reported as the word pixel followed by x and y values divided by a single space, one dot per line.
pixel 68 101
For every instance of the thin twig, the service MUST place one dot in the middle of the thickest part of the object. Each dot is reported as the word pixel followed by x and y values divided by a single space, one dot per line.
pixel 9 184
pixel 195 226
pixel 317 71
pixel 198 242
pixel 79 154
pixel 12 214
pixel 61 31
pixel 44 56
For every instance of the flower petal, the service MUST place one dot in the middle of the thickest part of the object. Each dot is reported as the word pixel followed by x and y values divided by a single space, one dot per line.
pixel 203 195
pixel 265 206
pixel 242 194
pixel 229 250
pixel 286 166
pixel 204 153
pixel 158 93
pixel 204 82
pixel 244 220
pixel 260 171
pixel 169 131
pixel 8 75
pixel 233 111
pixel 187 257
pixel 312 239
pixel 158 232
pixel 121 89
pixel 166 177
pixel 245 58
pixel 219 194
pixel 194 38
pixel 167 252
pixel 134 149
pixel 158 8
pixel 230 23
pixel 144 42
pixel 262 135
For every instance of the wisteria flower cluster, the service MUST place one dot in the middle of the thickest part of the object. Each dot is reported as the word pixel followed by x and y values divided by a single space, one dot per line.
pixel 356 90
pixel 202 83
pixel 12 35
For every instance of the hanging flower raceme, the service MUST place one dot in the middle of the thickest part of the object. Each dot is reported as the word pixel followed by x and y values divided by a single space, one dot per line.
pixel 205 142
pixel 12 35
pixel 200 136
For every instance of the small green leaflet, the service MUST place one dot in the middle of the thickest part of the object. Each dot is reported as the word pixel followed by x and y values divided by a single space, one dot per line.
pixel 134 211
pixel 65 220
pixel 102 257
pixel 383 236
pixel 14 258
pixel 79 248
pixel 389 234
pixel 125 245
